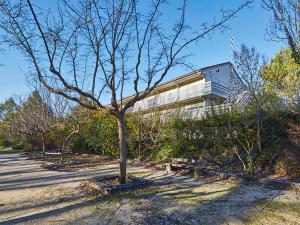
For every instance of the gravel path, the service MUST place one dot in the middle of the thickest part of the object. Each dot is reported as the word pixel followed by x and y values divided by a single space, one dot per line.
pixel 32 195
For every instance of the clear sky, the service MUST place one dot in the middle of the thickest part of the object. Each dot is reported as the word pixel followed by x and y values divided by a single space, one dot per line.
pixel 248 27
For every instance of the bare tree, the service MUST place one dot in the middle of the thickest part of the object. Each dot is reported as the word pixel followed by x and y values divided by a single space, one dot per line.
pixel 285 24
pixel 23 121
pixel 38 114
pixel 43 115
pixel 92 50
pixel 74 120
pixel 248 63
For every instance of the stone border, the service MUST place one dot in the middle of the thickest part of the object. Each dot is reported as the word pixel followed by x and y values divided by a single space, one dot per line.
pixel 99 184
pixel 199 172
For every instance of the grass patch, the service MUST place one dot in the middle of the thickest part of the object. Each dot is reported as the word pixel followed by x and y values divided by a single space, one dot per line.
pixel 10 151
pixel 274 212
pixel 188 198
pixel 139 174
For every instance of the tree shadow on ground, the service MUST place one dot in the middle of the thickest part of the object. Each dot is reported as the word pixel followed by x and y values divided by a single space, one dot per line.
pixel 49 213
pixel 173 200
pixel 229 206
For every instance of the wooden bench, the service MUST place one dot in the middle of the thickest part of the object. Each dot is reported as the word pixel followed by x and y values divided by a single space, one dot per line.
pixel 56 152
pixel 185 164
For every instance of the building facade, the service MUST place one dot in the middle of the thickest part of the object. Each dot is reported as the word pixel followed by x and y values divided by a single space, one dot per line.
pixel 194 94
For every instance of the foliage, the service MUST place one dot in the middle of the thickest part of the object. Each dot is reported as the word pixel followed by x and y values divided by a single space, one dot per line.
pixel 101 135
pixel 223 138
pixel 7 112
pixel 282 76
pixel 9 151
pixel 143 135
pixel 18 146
pixel 4 143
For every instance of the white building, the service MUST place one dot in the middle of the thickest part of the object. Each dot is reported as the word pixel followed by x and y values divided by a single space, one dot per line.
pixel 195 93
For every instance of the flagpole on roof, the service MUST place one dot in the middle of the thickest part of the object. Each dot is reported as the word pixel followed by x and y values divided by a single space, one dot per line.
pixel 232 45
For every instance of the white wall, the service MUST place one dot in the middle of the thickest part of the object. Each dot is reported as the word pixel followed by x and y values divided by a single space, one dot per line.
pixel 220 74
pixel 172 96
pixel 223 74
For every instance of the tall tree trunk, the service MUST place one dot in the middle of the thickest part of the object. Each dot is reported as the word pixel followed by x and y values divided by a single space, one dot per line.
pixel 123 149
pixel 258 133
pixel 30 143
pixel 43 142
pixel 62 153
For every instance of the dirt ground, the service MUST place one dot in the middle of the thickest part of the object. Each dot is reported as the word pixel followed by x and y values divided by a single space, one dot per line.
pixel 32 195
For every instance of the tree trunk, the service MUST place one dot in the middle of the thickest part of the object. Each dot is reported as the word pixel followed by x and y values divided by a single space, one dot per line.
pixel 30 143
pixel 258 135
pixel 43 142
pixel 240 158
pixel 65 142
pixel 123 149
pixel 62 153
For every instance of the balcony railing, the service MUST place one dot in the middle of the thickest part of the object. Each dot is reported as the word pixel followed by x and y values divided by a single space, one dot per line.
pixel 165 98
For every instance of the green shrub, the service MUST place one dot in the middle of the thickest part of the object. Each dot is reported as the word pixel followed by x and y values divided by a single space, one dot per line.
pixel 220 138
pixel 288 164
pixel 18 146
pixel 4 143
pixel 101 135
pixel 166 152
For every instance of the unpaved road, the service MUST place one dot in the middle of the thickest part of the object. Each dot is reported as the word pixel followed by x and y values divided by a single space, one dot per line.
pixel 32 195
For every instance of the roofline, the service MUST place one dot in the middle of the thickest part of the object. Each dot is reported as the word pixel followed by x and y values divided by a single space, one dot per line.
pixel 219 64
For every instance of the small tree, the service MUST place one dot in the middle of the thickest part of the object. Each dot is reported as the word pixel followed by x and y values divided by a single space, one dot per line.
pixel 248 64
pixel 282 77
pixel 42 116
pixel 108 47
pixel 72 123
pixel 38 114
pixel 7 112
pixel 23 121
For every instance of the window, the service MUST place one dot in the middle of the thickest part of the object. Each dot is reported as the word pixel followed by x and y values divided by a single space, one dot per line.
pixel 191 112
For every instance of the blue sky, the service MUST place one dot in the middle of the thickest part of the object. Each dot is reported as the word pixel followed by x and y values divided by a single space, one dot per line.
pixel 248 27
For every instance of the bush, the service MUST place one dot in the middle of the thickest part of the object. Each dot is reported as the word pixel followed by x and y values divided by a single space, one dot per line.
pixel 229 137
pixel 288 164
pixel 101 135
pixel 222 139
pixel 4 143
pixel 18 146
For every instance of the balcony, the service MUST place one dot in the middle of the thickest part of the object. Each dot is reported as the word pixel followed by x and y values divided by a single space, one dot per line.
pixel 215 89
pixel 182 94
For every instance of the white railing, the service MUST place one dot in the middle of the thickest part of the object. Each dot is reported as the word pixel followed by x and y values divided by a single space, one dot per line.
pixel 202 112
pixel 200 90
pixel 221 107
pixel 242 102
